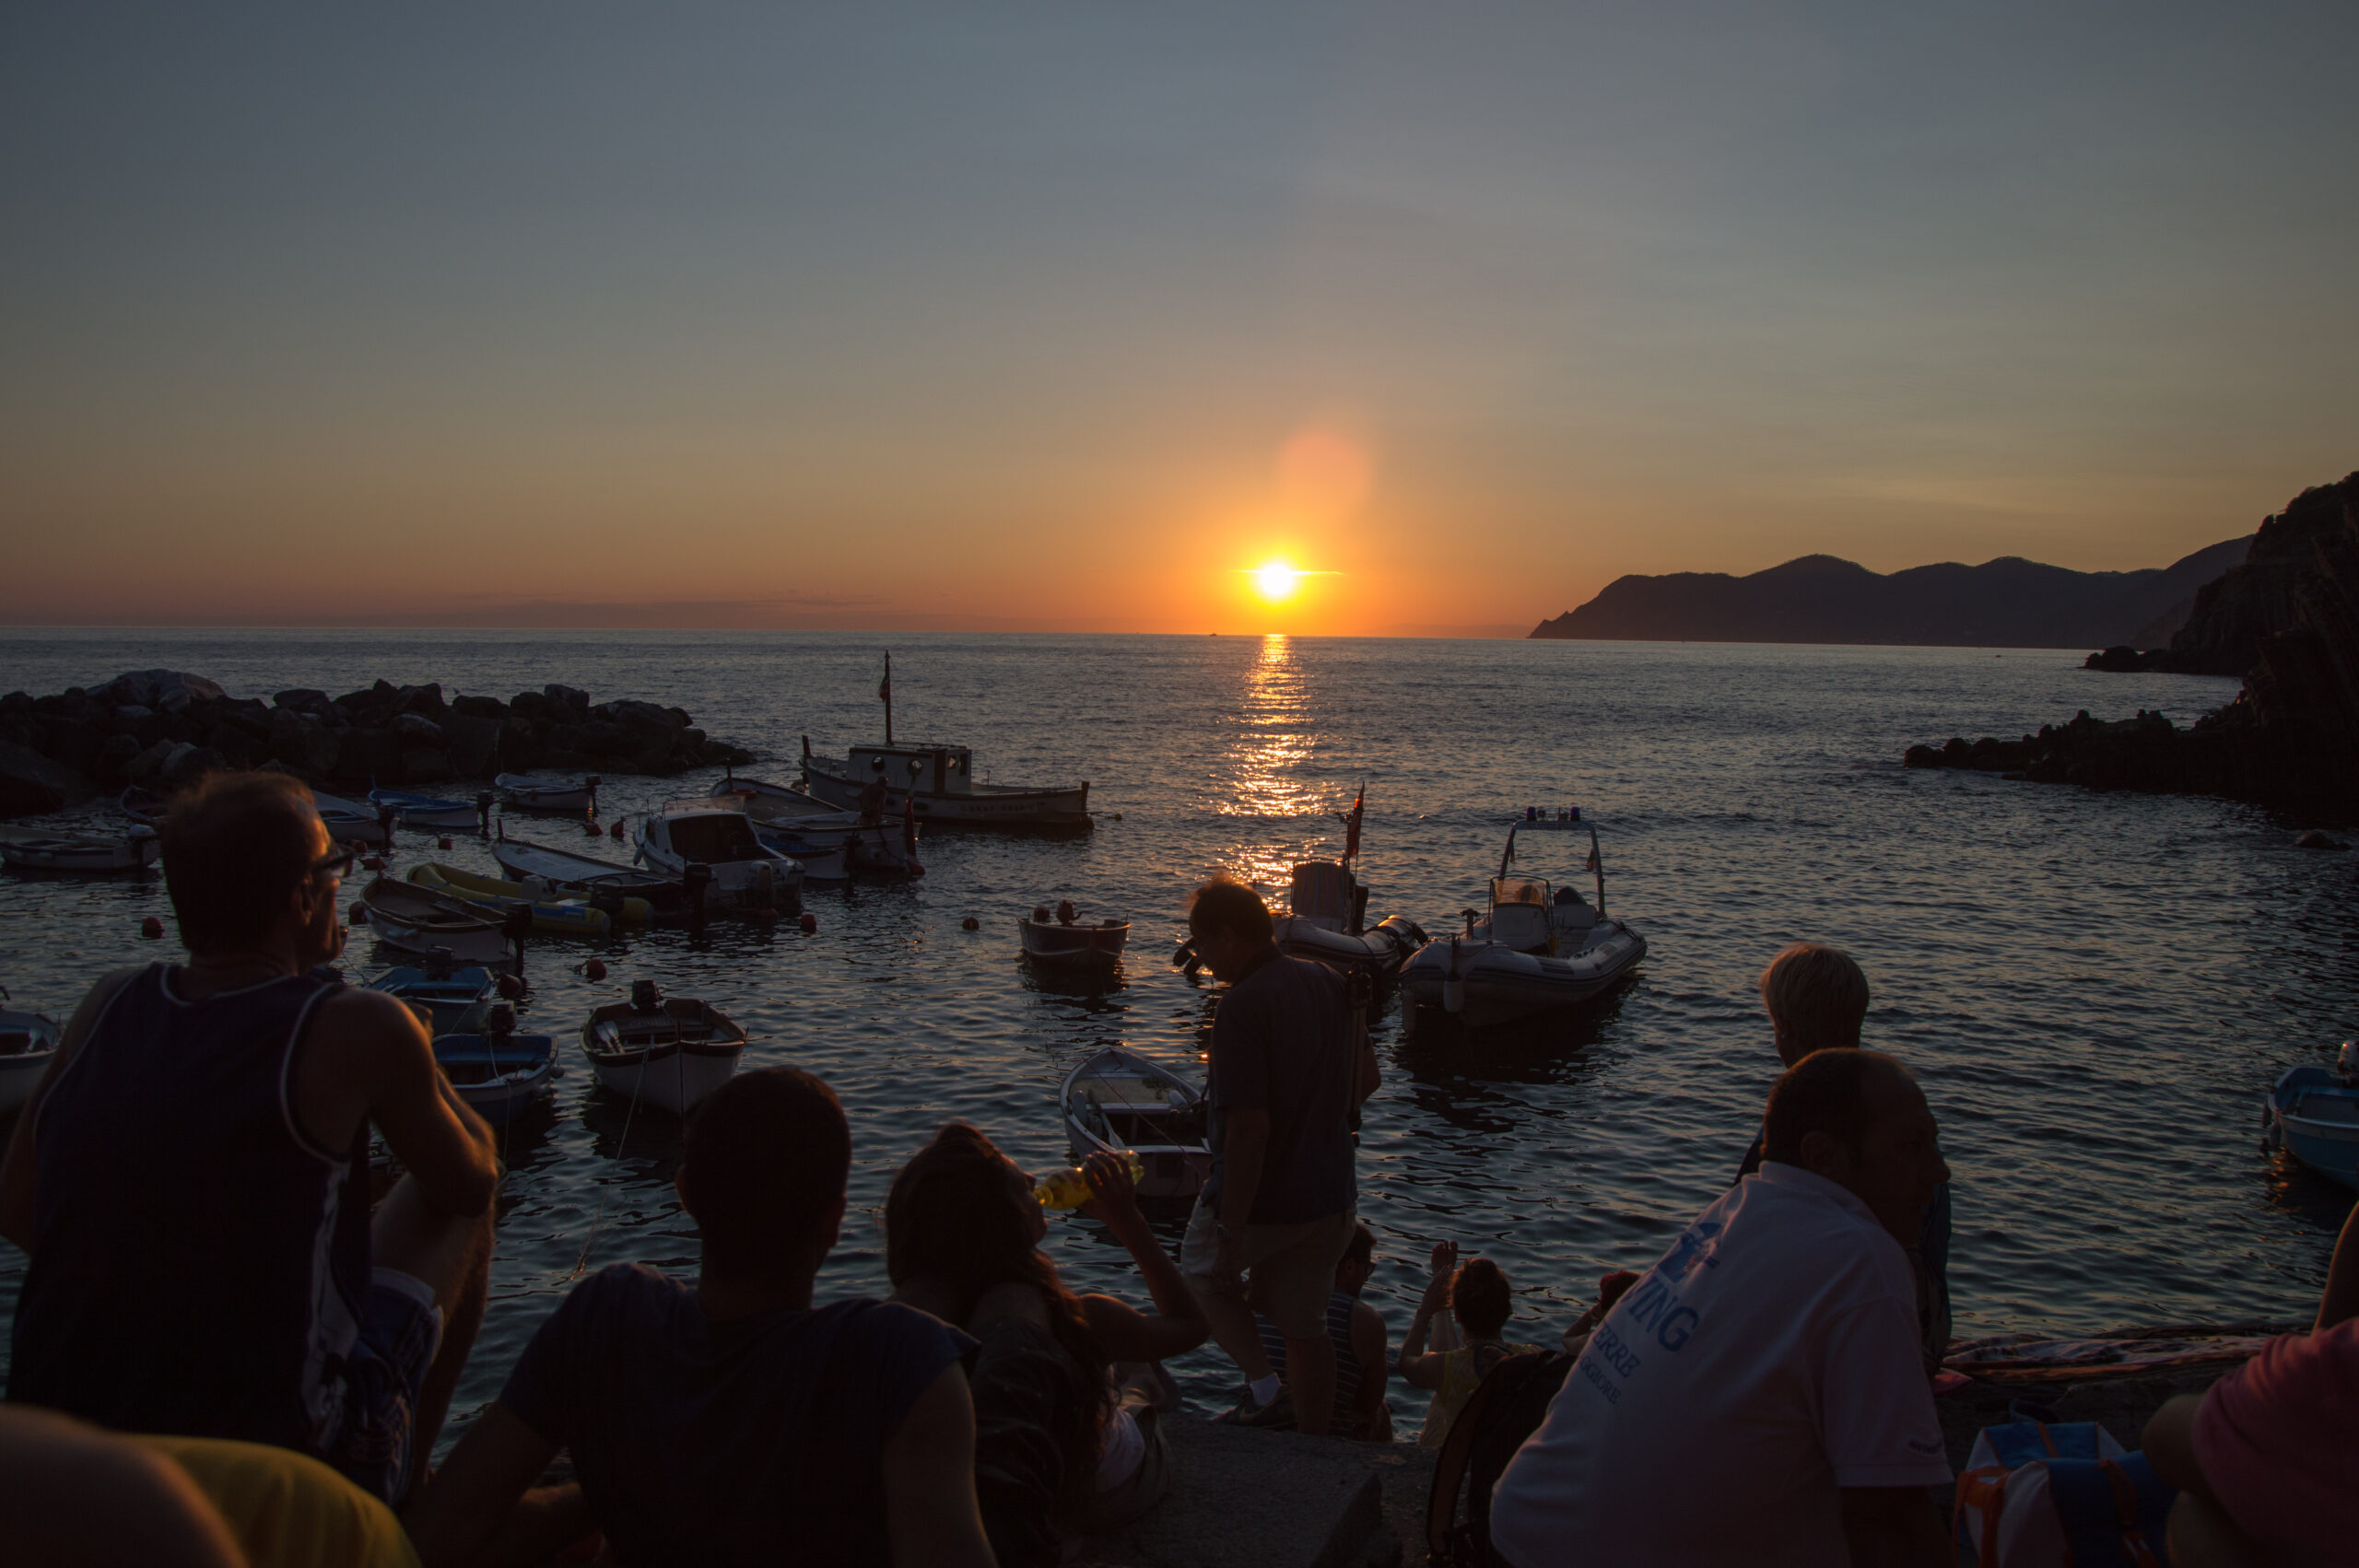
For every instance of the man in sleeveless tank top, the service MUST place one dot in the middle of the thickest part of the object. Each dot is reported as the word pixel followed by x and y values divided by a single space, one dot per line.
pixel 191 1177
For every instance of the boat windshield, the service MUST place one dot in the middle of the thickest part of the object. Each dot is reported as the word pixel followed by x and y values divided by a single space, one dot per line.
pixel 717 839
pixel 1520 890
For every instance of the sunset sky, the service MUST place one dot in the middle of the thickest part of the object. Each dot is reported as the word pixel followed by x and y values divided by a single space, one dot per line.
pixel 1071 317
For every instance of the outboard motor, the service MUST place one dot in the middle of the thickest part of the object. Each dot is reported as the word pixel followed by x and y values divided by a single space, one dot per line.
pixel 696 882
pixel 498 1023
pixel 483 810
pixel 646 997
pixel 438 964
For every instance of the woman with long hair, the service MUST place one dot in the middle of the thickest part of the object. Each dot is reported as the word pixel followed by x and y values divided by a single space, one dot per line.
pixel 1478 1298
pixel 962 1240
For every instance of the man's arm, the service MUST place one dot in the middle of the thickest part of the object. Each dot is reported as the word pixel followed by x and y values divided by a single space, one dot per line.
pixel 931 1515
pixel 471 1497
pixel 429 1130
pixel 1894 1527
pixel 17 1168
pixel 1245 1144
pixel 2341 1300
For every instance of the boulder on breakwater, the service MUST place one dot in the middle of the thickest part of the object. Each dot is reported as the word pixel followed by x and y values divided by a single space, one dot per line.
pixel 2288 621
pixel 165 729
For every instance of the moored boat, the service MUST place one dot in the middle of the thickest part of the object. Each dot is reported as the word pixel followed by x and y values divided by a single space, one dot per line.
pixel 667 1052
pixel 551 917
pixel 416 919
pixel 84 854
pixel 349 821
pixel 833 844
pixel 27 1044
pixel 1063 939
pixel 497 1071
pixel 1326 907
pixel 1538 947
pixel 938 783
pixel 1120 1100
pixel 522 793
pixel 450 1002
pixel 2314 1113
pixel 620 890
pixel 435 811
pixel 700 831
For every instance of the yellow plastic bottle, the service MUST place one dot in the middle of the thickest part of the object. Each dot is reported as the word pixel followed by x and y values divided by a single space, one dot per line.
pixel 1069 1189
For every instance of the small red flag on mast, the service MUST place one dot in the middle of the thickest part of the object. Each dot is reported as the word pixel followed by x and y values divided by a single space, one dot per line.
pixel 1351 821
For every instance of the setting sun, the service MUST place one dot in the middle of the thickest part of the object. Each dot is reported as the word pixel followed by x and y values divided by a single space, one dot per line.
pixel 1278 580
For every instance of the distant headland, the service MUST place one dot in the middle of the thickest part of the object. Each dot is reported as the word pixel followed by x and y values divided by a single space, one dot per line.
pixel 2009 603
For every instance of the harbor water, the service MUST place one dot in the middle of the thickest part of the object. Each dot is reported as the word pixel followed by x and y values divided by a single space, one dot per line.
pixel 2094 990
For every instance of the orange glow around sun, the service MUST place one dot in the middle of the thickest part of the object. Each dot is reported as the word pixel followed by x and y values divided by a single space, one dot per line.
pixel 1277 581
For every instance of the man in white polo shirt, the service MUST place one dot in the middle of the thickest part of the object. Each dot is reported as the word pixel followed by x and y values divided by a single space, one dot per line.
pixel 1758 1397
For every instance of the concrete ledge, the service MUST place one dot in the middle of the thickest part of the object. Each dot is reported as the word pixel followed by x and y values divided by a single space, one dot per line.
pixel 1275 1500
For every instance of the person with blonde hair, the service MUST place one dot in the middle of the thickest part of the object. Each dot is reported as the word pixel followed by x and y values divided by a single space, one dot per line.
pixel 1817 995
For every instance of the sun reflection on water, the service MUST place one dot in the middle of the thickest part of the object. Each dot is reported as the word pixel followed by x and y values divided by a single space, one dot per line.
pixel 1267 770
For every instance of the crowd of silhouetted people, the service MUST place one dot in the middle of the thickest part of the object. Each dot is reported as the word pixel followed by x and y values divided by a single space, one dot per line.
pixel 228 1349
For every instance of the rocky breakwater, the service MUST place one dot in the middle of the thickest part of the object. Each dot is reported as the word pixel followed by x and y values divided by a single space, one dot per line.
pixel 165 729
pixel 2287 621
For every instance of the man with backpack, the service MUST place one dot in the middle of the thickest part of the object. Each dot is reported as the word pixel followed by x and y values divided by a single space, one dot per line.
pixel 1757 1395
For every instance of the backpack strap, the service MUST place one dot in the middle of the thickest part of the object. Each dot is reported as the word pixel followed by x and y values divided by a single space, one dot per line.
pixel 2111 1511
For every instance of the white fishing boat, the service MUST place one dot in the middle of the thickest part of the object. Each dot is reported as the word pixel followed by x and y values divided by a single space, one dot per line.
pixel 701 831
pixel 665 1052
pixel 1064 939
pixel 435 811
pixel 937 784
pixel 27 1044
pixel 524 793
pixel 498 1072
pixel 832 844
pixel 1538 947
pixel 1118 1100
pixel 2314 1114
pixel 552 872
pixel 410 919
pixel 84 854
pixel 1326 908
pixel 349 821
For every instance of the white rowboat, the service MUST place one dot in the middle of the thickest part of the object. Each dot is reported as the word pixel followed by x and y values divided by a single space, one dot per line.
pixel 1118 1099
pixel 667 1052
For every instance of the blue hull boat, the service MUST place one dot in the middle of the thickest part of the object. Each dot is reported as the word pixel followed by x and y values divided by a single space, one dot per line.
pixel 452 1004
pixel 429 811
pixel 497 1075
pixel 2315 1114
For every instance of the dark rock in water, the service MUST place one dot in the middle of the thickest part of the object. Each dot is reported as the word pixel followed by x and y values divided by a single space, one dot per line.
pixel 521 749
pixel 31 783
pixel 114 753
pixel 425 700
pixel 233 746
pixel 303 742
pixel 480 706
pixel 572 699
pixel 418 731
pixel 2119 660
pixel 304 699
pixel 156 688
pixel 473 741
pixel 77 745
pixel 2314 839
pixel 185 765
pixel 422 765
pixel 372 753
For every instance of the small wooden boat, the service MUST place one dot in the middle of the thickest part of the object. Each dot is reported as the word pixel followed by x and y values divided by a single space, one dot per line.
pixel 622 891
pixel 1537 949
pixel 27 1044
pixel 349 821
pixel 2314 1114
pixel 498 1072
pixel 700 831
pixel 83 854
pixel 453 1003
pixel 579 796
pixel 551 917
pixel 832 844
pixel 1063 940
pixel 417 920
pixel 667 1052
pixel 1118 1100
pixel 434 810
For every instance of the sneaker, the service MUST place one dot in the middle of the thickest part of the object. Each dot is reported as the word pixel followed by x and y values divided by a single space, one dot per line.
pixel 1278 1414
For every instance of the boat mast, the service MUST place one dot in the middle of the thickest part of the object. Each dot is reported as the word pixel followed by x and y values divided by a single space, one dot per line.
pixel 885 694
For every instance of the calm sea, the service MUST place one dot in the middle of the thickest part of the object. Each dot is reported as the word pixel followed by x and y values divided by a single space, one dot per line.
pixel 2096 990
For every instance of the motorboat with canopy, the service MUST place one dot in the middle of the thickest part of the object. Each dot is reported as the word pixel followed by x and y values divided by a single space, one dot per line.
pixel 833 844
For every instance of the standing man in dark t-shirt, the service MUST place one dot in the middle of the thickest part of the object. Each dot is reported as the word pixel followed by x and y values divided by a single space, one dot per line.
pixel 1287 1071
pixel 730 1421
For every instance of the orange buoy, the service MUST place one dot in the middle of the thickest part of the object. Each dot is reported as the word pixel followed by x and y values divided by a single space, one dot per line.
pixel 591 829
pixel 510 987
pixel 809 922
pixel 151 928
pixel 971 924
pixel 616 831
pixel 359 914
pixel 444 842
pixel 374 864
pixel 594 970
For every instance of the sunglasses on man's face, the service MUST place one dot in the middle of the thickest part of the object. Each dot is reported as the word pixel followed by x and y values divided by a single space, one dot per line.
pixel 336 864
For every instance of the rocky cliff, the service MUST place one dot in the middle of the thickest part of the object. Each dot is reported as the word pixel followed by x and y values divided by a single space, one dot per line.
pixel 2288 621
pixel 2009 603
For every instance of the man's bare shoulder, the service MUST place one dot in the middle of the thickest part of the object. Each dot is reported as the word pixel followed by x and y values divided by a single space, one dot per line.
pixel 353 1017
